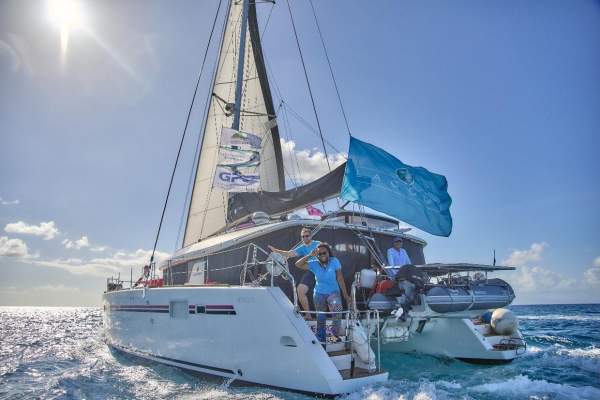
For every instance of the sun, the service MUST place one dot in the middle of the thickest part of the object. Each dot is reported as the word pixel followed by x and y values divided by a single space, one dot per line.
pixel 66 15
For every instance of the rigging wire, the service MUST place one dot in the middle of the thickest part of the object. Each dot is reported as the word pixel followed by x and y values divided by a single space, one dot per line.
pixel 337 91
pixel 304 122
pixel 308 84
pixel 290 173
pixel 264 29
pixel 288 128
pixel 162 216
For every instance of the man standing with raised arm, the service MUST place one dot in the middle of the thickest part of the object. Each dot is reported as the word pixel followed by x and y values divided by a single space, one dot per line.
pixel 308 279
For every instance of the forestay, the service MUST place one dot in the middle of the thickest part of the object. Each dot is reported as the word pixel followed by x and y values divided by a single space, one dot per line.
pixel 208 205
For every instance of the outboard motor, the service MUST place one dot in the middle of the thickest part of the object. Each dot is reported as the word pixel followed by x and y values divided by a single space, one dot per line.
pixel 410 280
pixel 407 284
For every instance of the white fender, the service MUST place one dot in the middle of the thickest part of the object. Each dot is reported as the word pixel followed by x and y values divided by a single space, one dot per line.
pixel 361 346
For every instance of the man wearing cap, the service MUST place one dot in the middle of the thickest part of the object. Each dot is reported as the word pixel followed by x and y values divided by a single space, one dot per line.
pixel 397 256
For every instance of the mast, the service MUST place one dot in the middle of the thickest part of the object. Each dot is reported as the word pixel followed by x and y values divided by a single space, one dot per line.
pixel 241 99
pixel 240 68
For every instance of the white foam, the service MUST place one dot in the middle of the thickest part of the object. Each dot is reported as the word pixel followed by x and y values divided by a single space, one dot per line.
pixel 531 350
pixel 449 385
pixel 405 390
pixel 586 359
pixel 521 386
pixel 212 393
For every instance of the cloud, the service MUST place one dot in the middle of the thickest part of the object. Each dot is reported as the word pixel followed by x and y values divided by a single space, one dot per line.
pixel 119 262
pixel 8 202
pixel 83 242
pixel 525 257
pixel 530 279
pixel 592 275
pixel 307 165
pixel 46 229
pixel 77 244
pixel 99 248
pixel 13 247
pixel 535 284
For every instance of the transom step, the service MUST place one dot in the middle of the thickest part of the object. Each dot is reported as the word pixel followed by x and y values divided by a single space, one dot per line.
pixel 357 373
pixel 342 360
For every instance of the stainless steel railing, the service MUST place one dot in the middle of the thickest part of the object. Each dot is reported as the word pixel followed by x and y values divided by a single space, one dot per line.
pixel 254 257
pixel 354 319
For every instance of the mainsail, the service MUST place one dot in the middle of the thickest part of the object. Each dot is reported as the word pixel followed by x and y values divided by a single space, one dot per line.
pixel 208 205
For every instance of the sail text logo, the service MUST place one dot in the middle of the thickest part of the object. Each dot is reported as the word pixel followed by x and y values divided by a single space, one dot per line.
pixel 234 178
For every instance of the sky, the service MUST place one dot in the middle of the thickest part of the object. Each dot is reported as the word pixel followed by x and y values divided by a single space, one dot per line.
pixel 501 97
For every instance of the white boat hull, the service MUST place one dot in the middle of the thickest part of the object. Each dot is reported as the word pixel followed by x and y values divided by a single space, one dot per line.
pixel 454 338
pixel 252 334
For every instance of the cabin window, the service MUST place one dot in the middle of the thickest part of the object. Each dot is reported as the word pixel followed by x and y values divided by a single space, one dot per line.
pixel 340 247
pixel 197 272
pixel 178 309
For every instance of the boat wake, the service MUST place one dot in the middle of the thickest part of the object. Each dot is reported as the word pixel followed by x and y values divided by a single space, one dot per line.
pixel 523 387
pixel 59 353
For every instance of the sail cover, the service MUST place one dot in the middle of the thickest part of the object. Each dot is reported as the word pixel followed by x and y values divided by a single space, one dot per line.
pixel 273 203
pixel 208 205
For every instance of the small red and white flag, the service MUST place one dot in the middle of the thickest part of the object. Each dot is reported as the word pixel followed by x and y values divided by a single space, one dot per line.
pixel 315 212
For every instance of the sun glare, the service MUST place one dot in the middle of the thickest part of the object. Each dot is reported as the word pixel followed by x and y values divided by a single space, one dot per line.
pixel 67 16
pixel 65 13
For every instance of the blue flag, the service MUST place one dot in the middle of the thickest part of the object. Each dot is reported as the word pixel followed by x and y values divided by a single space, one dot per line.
pixel 378 180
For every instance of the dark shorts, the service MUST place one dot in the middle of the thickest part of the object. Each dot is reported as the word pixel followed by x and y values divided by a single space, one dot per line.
pixel 308 279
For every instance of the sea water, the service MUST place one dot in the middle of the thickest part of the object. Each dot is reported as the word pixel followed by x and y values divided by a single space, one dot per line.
pixel 58 353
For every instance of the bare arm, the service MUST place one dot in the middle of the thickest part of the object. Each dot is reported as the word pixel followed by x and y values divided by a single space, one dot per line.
pixel 285 253
pixel 342 284
pixel 302 263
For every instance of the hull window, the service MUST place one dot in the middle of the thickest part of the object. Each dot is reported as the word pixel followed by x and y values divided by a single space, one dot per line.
pixel 178 309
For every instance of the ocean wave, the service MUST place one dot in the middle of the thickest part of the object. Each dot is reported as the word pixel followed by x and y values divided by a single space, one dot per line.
pixel 408 390
pixel 59 353
pixel 210 393
pixel 583 318
pixel 521 386
pixel 585 359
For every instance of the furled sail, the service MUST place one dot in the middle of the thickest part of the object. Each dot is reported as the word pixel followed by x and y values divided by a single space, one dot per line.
pixel 208 206
pixel 274 203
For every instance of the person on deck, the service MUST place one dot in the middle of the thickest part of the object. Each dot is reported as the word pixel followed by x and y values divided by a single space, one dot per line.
pixel 397 256
pixel 329 280
pixel 308 279
pixel 145 275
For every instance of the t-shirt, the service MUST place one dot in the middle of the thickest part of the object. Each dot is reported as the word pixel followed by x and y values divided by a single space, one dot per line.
pixel 305 249
pixel 325 275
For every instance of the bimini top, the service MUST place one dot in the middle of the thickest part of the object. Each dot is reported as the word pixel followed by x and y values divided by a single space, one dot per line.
pixel 439 269
pixel 225 240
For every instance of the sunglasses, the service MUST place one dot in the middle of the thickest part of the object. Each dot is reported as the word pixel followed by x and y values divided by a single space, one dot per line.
pixel 323 254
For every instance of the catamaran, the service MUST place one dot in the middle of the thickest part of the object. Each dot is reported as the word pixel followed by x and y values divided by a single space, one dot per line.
pixel 224 305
